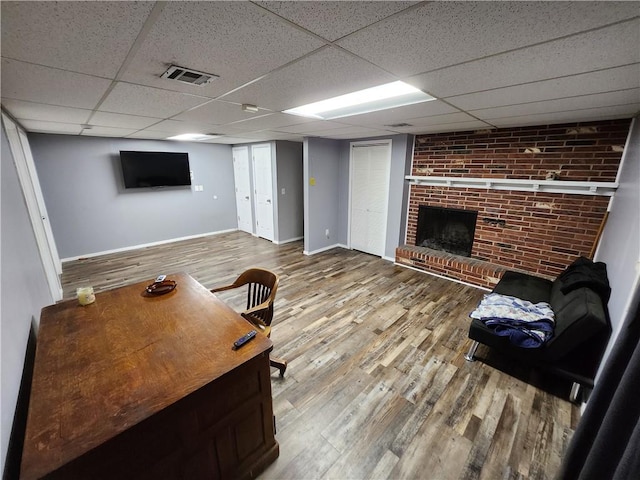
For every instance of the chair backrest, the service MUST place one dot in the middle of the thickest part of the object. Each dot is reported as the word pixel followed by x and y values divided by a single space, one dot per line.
pixel 262 286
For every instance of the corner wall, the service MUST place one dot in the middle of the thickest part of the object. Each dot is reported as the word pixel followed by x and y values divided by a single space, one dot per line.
pixel 620 244
pixel 24 289
pixel 91 212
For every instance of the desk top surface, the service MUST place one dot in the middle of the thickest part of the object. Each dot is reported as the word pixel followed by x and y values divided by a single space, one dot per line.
pixel 104 367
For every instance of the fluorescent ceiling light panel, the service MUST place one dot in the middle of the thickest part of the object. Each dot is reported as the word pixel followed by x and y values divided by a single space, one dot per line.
pixel 193 137
pixel 382 97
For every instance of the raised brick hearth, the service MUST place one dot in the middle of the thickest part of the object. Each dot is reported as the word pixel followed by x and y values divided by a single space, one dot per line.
pixel 534 232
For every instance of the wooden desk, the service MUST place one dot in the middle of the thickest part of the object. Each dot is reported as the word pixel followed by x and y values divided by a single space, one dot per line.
pixel 149 387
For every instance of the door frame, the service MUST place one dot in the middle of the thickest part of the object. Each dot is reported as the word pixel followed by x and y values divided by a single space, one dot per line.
pixel 373 143
pixel 30 186
pixel 255 196
pixel 246 149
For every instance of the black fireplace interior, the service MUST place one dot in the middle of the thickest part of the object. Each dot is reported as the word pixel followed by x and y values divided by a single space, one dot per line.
pixel 447 229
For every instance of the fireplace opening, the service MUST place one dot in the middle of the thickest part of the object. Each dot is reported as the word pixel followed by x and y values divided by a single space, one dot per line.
pixel 447 229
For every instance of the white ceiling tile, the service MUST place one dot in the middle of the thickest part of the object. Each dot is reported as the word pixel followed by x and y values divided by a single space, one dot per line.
pixel 585 115
pixel 324 74
pixel 583 84
pixel 219 112
pixel 38 111
pixel 231 140
pixel 238 41
pixel 85 37
pixel 604 48
pixel 623 97
pixel 459 117
pixel 356 134
pixel 399 114
pixel 119 120
pixel 270 121
pixel 449 127
pixel 333 20
pixel 107 132
pixel 50 127
pixel 147 101
pixel 454 32
pixel 34 83
pixel 176 127
pixel 271 135
pixel 312 127
pixel 149 134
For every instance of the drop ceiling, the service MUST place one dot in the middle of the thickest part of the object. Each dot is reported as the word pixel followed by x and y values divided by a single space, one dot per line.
pixel 94 68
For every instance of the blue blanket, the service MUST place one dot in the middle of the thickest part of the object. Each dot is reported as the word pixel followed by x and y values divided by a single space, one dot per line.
pixel 528 325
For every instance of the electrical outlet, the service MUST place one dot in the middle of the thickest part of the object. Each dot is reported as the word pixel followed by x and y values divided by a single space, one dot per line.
pixel 326 232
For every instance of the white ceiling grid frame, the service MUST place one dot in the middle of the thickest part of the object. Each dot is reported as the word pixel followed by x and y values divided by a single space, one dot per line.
pixel 609 47
pixel 600 81
pixel 484 28
pixel 326 73
pixel 106 29
pixel 519 53
pixel 238 41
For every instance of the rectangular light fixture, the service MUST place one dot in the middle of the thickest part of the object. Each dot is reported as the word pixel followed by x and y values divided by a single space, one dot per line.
pixel 193 137
pixel 382 97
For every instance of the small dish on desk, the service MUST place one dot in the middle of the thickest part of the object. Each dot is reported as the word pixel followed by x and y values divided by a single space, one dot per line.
pixel 160 288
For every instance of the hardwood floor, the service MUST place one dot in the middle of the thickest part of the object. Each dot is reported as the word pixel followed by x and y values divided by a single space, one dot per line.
pixel 377 385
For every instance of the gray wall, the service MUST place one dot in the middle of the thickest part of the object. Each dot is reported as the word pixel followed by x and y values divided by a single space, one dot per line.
pixel 328 203
pixel 289 177
pixel 90 211
pixel 24 288
pixel 620 243
pixel 321 159
pixel 401 149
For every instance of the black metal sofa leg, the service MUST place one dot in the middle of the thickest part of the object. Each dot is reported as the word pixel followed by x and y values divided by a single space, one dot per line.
pixel 575 392
pixel 472 351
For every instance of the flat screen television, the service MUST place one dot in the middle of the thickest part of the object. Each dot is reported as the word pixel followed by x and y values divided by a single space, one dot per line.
pixel 154 169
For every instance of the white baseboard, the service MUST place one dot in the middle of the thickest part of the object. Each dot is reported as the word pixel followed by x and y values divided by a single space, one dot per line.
pixel 280 242
pixel 443 277
pixel 324 249
pixel 152 244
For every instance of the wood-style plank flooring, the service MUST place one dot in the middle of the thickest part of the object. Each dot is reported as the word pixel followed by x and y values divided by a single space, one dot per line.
pixel 377 385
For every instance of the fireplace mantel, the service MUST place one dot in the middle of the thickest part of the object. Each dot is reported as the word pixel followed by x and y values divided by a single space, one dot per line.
pixel 548 186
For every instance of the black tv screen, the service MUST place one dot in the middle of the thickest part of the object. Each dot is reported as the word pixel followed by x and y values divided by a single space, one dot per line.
pixel 155 169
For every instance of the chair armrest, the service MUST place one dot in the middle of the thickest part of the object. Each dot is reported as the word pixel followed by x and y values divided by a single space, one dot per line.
pixel 226 287
pixel 258 308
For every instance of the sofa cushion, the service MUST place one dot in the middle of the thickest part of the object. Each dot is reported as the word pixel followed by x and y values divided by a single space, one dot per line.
pixel 580 316
pixel 585 273
pixel 525 287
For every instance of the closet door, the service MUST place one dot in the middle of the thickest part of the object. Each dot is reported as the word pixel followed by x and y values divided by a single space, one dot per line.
pixel 241 173
pixel 369 193
pixel 263 190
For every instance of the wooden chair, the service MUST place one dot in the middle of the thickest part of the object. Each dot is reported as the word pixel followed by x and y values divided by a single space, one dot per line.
pixel 261 293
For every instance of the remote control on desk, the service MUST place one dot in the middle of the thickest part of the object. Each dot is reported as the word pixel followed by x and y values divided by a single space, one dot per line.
pixel 244 339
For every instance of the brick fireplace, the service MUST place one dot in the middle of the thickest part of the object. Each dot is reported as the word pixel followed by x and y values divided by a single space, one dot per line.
pixel 537 232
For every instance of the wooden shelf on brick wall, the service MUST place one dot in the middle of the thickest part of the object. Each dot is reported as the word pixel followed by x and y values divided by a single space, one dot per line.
pixel 550 186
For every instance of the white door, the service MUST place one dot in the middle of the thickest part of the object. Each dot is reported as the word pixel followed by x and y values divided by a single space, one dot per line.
pixel 241 173
pixel 263 190
pixel 369 193
pixel 30 185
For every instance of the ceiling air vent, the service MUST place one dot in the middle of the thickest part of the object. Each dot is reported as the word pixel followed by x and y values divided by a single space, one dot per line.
pixel 186 75
pixel 398 125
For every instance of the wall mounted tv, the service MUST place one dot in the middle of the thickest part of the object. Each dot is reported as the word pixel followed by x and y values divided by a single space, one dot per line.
pixel 155 169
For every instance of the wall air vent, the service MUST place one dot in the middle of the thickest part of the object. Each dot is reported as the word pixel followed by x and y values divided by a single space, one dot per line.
pixel 186 75
pixel 398 125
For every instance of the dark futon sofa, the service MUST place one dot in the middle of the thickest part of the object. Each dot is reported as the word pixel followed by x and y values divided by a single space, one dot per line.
pixel 578 298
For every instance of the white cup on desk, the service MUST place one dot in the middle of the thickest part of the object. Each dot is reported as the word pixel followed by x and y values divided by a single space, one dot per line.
pixel 85 295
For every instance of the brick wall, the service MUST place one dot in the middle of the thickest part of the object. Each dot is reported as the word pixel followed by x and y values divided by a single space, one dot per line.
pixel 542 232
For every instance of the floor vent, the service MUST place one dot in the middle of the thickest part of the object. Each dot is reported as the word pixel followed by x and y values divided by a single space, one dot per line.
pixel 186 75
